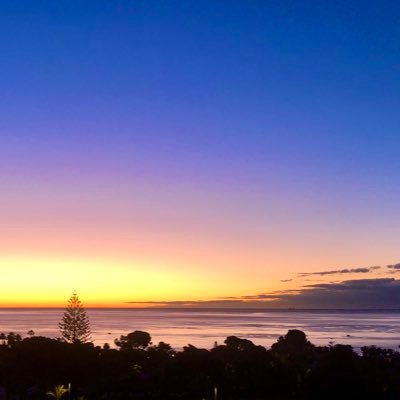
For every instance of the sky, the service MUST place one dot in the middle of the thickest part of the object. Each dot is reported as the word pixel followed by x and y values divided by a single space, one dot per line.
pixel 215 153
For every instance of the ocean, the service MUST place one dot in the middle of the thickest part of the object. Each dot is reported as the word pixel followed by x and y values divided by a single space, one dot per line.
pixel 204 327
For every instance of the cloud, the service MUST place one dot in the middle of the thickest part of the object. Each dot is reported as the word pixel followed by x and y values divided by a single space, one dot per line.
pixel 377 293
pixel 394 266
pixel 362 270
pixel 380 293
pixel 360 293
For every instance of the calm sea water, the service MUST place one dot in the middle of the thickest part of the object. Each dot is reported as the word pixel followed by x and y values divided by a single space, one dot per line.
pixel 203 327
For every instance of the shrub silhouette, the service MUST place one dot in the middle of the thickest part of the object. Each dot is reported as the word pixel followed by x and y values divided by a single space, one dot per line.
pixel 292 369
pixel 58 392
pixel 134 340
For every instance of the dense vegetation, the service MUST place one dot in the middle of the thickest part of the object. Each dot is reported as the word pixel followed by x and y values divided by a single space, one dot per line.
pixel 292 368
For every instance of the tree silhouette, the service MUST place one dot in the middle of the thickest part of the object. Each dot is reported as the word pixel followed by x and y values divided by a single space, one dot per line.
pixel 75 325
pixel 134 340
pixel 13 338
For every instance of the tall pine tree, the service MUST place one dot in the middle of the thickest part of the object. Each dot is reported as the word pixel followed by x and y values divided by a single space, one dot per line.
pixel 75 325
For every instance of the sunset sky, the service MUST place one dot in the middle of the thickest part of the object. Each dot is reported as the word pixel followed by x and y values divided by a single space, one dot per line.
pixel 241 153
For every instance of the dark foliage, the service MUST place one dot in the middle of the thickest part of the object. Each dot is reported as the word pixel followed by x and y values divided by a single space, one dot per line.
pixel 291 369
pixel 134 340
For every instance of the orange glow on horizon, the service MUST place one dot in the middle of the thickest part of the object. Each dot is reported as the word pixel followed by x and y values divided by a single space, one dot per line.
pixel 48 282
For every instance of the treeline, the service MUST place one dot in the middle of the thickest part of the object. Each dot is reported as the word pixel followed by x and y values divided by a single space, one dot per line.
pixel 292 368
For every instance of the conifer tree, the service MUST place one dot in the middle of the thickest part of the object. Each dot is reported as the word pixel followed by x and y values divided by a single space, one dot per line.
pixel 75 325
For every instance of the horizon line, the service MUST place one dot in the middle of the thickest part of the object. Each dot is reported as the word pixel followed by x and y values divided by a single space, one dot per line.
pixel 292 309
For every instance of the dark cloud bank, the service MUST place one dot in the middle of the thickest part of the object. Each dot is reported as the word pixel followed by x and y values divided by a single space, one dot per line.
pixel 381 293
pixel 360 293
pixel 378 293
pixel 363 270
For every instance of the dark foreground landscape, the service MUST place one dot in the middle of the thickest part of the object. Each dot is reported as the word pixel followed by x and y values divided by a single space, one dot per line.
pixel 292 368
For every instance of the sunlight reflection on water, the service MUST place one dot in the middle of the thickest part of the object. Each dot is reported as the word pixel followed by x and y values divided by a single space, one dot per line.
pixel 203 327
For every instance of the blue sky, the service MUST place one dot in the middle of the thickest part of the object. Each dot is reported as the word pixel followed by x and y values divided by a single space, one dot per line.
pixel 286 111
